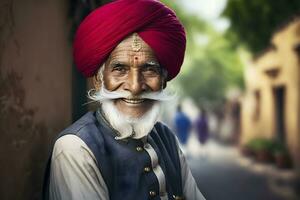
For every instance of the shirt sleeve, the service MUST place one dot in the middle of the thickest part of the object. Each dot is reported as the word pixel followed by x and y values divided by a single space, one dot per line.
pixel 190 189
pixel 74 173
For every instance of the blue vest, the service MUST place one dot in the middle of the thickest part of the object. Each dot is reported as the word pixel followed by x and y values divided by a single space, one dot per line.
pixel 120 162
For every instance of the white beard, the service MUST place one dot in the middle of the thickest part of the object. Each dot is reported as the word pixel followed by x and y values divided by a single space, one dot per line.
pixel 128 126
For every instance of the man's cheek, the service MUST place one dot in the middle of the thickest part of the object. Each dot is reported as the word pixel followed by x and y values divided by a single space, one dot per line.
pixel 155 84
pixel 113 84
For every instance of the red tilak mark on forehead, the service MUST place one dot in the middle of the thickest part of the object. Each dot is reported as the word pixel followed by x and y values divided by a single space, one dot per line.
pixel 135 58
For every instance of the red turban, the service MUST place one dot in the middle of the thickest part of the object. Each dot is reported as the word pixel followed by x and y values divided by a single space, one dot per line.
pixel 103 29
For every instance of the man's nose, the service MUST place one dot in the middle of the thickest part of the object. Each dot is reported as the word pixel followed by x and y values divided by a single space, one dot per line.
pixel 135 83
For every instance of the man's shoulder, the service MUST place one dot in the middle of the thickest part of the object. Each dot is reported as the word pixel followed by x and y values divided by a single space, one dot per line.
pixel 69 144
pixel 159 125
pixel 78 136
pixel 163 130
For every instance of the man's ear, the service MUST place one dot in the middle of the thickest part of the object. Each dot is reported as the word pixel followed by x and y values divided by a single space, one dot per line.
pixel 164 84
pixel 164 78
pixel 97 82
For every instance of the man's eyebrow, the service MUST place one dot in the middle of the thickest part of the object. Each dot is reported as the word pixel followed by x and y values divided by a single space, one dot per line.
pixel 116 62
pixel 152 63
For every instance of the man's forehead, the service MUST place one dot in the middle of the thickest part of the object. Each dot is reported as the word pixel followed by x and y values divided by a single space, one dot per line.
pixel 132 45
pixel 134 42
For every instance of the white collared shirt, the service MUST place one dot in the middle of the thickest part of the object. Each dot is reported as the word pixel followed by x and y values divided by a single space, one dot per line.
pixel 75 176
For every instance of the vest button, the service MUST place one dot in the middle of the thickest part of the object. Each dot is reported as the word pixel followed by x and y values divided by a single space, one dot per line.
pixel 152 193
pixel 139 149
pixel 147 169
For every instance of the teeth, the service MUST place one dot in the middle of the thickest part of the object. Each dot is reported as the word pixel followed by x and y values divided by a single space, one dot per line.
pixel 134 101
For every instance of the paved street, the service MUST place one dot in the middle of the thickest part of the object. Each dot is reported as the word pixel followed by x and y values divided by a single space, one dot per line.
pixel 222 174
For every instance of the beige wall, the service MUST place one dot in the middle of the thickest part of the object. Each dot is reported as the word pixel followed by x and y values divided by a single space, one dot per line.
pixel 35 90
pixel 285 61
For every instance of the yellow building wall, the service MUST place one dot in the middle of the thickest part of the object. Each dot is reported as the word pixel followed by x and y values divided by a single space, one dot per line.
pixel 277 67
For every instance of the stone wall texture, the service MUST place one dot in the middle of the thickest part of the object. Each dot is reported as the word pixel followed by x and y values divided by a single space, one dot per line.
pixel 35 90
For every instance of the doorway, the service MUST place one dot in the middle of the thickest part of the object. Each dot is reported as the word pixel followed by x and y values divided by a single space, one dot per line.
pixel 279 98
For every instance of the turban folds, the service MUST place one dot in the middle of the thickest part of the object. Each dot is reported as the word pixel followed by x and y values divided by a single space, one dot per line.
pixel 104 28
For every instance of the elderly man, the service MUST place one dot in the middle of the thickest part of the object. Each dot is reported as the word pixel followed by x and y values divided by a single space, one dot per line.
pixel 132 48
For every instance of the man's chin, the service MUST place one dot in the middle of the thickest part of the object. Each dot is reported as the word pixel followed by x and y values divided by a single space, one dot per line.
pixel 125 122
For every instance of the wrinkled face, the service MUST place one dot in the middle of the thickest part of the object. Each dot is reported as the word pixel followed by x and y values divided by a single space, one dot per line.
pixel 133 67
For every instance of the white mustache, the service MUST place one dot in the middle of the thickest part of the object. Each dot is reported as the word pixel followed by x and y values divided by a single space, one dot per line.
pixel 104 94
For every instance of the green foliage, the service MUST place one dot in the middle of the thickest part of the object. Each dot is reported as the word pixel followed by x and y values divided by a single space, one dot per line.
pixel 259 144
pixel 211 67
pixel 279 148
pixel 254 21
pixel 271 145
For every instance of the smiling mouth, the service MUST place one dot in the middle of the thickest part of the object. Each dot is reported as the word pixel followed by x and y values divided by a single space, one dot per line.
pixel 134 101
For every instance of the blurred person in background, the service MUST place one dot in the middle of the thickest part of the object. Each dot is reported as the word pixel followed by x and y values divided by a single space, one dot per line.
pixel 120 151
pixel 183 125
pixel 201 127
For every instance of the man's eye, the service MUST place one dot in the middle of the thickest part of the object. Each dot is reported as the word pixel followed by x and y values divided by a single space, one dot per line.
pixel 119 68
pixel 152 69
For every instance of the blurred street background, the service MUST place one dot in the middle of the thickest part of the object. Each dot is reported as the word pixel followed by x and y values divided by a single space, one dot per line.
pixel 237 114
